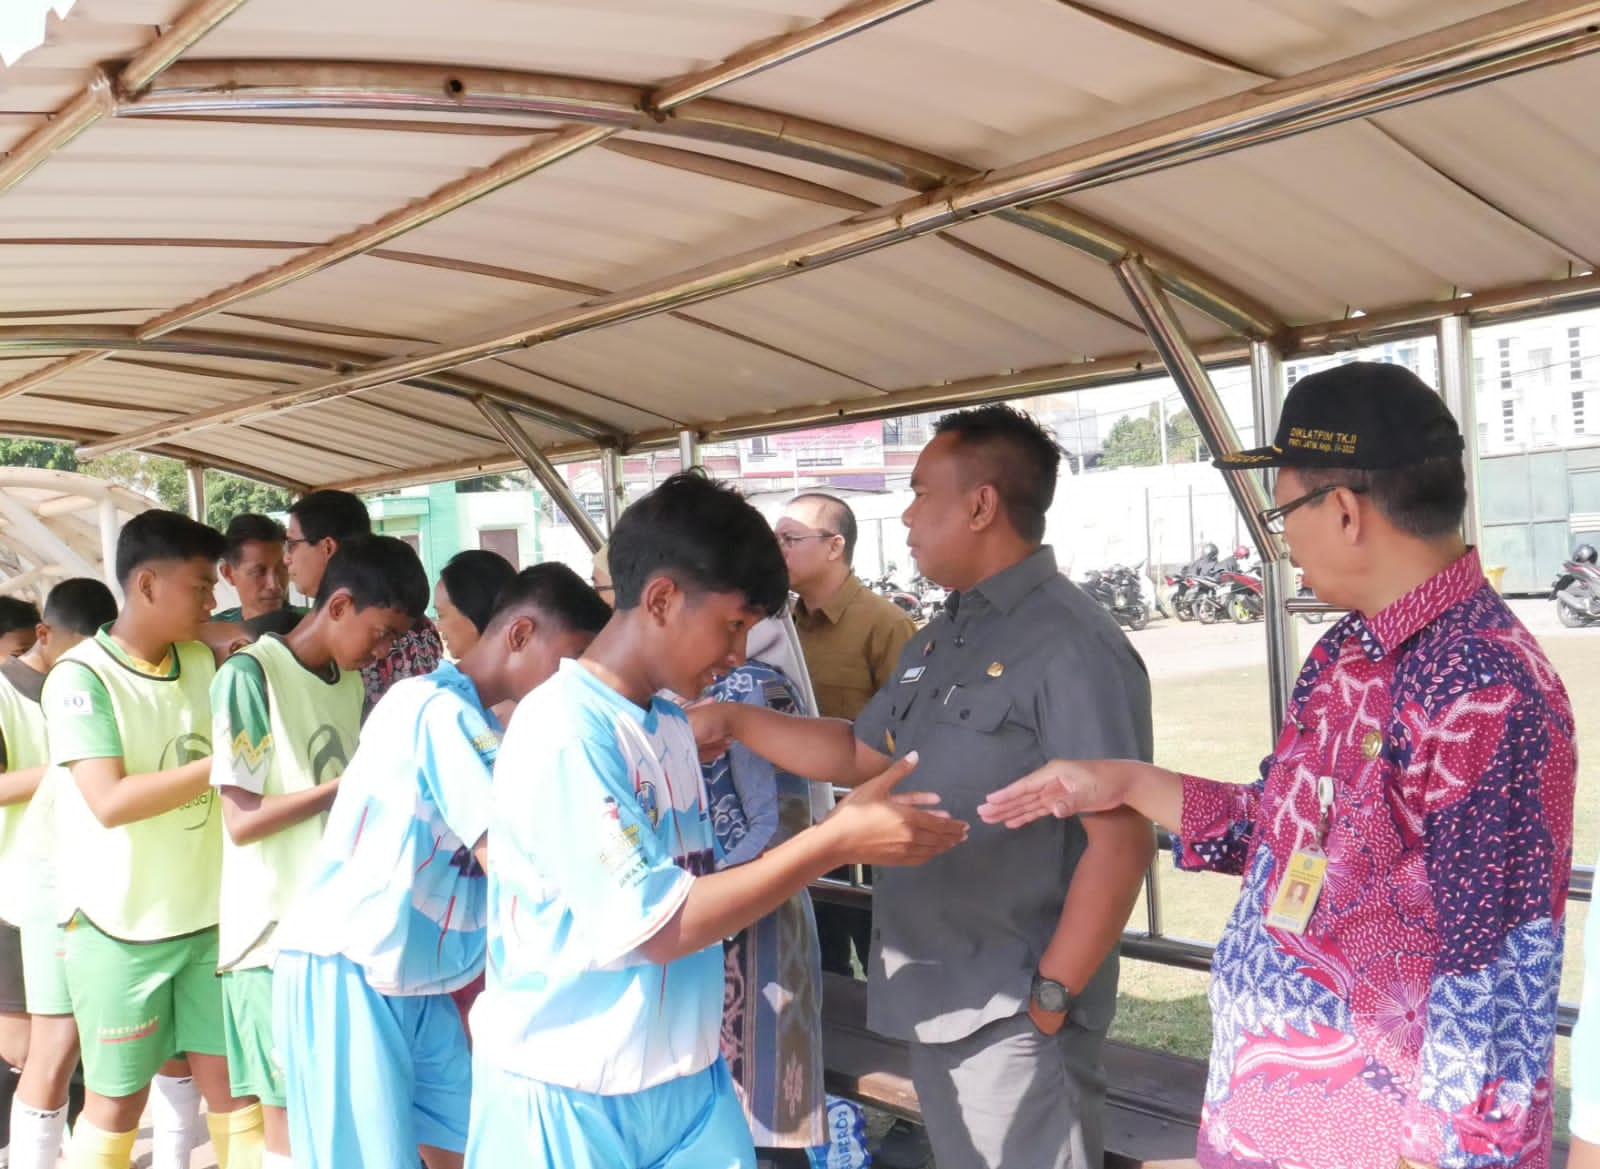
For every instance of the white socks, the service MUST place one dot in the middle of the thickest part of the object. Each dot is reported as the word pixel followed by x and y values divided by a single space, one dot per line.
pixel 175 1121
pixel 36 1136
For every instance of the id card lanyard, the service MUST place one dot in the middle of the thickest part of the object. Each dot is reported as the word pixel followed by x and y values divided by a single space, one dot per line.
pixel 1303 877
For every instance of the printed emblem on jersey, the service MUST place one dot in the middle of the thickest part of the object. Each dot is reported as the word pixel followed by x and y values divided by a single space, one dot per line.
pixel 75 703
pixel 646 793
pixel 327 754
pixel 183 749
pixel 619 845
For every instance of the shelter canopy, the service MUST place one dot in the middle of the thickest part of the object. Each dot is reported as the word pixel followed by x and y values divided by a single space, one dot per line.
pixel 307 240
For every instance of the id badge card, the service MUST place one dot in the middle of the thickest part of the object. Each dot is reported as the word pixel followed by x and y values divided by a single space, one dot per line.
pixel 1298 891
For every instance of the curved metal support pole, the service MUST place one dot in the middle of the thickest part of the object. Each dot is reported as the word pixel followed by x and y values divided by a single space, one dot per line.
pixel 543 469
pixel 688 449
pixel 1178 354
pixel 195 477
pixel 1461 395
pixel 1277 574
pixel 1514 40
pixel 611 478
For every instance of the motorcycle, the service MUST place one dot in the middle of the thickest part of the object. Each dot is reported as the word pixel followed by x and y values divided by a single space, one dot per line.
pixel 929 595
pixel 1187 586
pixel 1244 598
pixel 1576 591
pixel 884 586
pixel 1119 590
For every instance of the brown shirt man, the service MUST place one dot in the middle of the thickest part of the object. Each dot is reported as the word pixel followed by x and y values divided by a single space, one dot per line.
pixel 851 643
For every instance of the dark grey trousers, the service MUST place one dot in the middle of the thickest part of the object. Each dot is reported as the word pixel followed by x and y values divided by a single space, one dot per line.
pixel 1007 1097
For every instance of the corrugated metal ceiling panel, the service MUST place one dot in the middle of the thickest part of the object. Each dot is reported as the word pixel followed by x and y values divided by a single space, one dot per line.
pixel 1481 190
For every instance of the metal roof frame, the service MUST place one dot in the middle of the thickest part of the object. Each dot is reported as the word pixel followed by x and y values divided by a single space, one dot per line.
pixel 167 80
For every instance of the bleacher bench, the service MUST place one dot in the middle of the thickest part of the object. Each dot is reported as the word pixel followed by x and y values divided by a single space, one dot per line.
pixel 1152 1100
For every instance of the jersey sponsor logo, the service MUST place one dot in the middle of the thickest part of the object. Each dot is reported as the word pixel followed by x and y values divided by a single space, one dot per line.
pixel 327 754
pixel 76 703
pixel 619 845
pixel 185 749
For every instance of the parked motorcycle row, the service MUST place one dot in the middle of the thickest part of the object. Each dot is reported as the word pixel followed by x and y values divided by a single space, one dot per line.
pixel 922 600
pixel 1208 589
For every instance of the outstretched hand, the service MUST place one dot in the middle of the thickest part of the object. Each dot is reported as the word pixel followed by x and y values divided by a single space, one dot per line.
pixel 1060 788
pixel 881 826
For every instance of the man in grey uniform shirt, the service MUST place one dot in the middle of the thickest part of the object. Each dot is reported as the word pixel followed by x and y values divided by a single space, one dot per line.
pixel 996 961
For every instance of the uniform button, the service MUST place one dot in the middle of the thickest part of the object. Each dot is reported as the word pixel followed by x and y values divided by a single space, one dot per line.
pixel 960 641
pixel 966 713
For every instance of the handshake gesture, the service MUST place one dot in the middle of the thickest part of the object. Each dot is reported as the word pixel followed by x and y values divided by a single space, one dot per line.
pixel 876 824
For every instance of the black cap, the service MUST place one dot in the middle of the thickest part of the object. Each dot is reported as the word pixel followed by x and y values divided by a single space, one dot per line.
pixel 1366 415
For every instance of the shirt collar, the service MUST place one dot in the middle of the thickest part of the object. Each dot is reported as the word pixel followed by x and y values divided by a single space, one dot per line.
pixel 833 608
pixel 1006 588
pixel 1386 631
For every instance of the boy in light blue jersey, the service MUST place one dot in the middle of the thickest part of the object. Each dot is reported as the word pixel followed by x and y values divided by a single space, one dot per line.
pixel 374 1053
pixel 596 1037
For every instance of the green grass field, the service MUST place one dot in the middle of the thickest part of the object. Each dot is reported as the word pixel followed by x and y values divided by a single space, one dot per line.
pixel 1216 724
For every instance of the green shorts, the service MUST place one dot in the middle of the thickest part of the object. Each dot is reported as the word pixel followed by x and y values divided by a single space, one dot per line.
pixel 253 1068
pixel 44 971
pixel 140 1004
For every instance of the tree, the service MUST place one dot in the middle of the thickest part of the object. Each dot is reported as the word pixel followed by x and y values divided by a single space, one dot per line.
pixel 1133 442
pixel 160 478
pixel 231 495
pixel 33 452
pixel 1183 439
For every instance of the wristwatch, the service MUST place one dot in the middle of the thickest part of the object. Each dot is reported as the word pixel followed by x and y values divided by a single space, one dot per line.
pixel 1049 995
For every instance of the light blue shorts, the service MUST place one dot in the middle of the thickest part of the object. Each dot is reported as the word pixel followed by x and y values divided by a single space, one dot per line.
pixel 692 1123
pixel 368 1077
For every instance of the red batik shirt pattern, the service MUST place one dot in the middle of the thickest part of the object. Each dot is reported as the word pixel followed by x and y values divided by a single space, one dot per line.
pixel 1416 1016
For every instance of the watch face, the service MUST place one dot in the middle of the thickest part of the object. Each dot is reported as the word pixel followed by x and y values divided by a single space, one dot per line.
pixel 1051 996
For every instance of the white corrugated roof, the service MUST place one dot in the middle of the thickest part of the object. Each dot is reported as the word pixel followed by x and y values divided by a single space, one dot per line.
pixel 248 132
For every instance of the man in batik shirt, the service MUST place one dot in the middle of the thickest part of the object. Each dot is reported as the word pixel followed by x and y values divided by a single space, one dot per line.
pixel 1385 991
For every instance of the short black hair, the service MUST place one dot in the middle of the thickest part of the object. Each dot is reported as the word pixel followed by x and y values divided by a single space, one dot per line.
pixel 81 604
pixel 1426 500
pixel 474 579
pixel 164 535
pixel 248 528
pixel 705 537
pixel 841 520
pixel 280 621
pixel 15 614
pixel 377 571
pixel 1016 456
pixel 331 513
pixel 556 594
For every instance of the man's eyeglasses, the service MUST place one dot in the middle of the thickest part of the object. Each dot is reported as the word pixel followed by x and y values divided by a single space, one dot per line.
pixel 288 545
pixel 1272 517
pixel 787 540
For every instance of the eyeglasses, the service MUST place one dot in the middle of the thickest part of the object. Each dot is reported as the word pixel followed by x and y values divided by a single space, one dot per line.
pixel 1273 517
pixel 787 540
pixel 288 545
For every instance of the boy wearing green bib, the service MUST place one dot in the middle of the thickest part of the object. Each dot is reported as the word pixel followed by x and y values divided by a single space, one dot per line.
pixel 21 765
pixel 74 610
pixel 128 714
pixel 286 714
